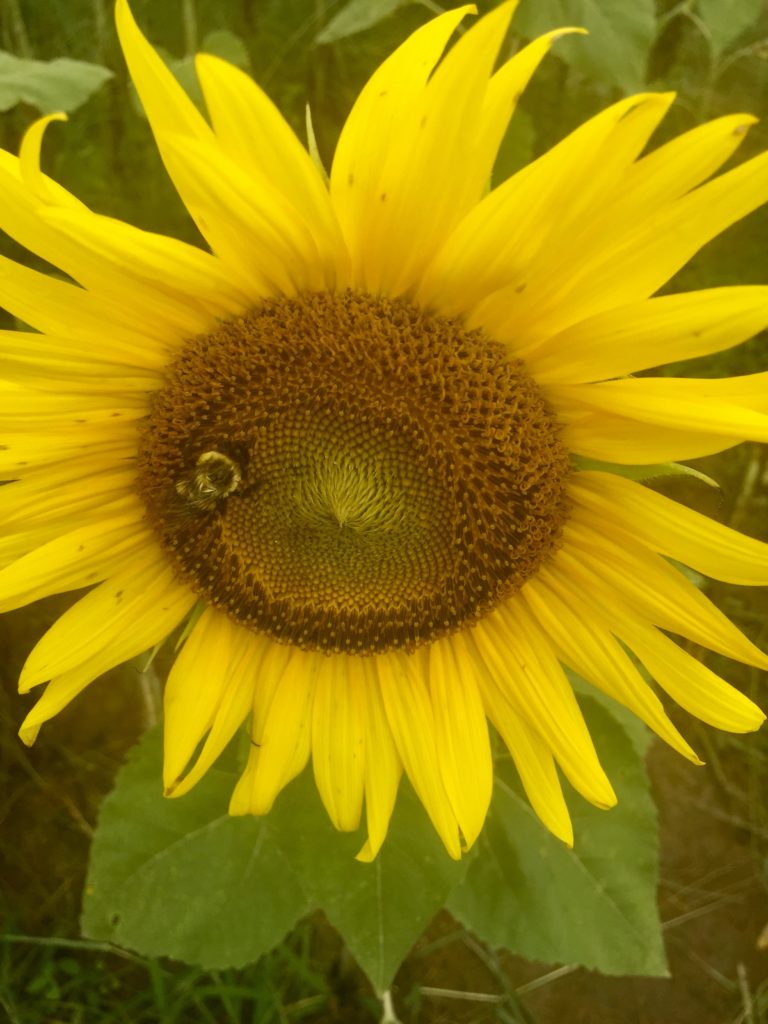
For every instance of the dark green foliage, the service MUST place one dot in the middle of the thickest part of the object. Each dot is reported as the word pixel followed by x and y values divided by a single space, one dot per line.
pixel 178 878
pixel 594 904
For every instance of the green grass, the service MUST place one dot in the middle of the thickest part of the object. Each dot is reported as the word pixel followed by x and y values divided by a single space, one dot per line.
pixel 65 981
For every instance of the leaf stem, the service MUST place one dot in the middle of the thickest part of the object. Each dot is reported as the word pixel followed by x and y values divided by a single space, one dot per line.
pixel 388 1016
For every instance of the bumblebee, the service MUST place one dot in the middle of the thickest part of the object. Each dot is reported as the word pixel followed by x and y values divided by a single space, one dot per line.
pixel 214 477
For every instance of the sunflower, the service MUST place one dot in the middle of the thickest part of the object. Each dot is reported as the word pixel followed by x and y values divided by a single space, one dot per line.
pixel 366 454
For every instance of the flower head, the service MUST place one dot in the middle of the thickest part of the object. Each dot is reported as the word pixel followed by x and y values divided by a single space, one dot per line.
pixel 346 448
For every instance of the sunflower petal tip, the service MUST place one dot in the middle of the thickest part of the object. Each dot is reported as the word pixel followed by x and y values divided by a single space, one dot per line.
pixel 760 718
pixel 28 680
pixel 746 124
pixel 568 30
pixel 28 734
pixel 238 807
pixel 607 800
pixel 690 755
pixel 366 854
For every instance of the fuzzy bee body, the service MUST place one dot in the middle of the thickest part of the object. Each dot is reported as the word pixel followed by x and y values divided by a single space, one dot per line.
pixel 214 477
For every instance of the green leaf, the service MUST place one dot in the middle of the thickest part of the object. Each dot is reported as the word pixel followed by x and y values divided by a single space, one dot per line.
pixel 593 905
pixel 181 878
pixel 54 85
pixel 727 19
pixel 379 909
pixel 516 149
pixel 312 147
pixel 621 33
pixel 652 472
pixel 638 733
pixel 225 44
pixel 357 16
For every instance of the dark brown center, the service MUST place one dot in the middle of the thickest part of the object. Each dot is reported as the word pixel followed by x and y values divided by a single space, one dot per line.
pixel 350 473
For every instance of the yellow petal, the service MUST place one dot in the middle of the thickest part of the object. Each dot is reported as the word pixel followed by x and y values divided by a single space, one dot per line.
pixel 372 131
pixel 735 407
pixel 242 219
pixel 694 406
pixel 252 229
pixel 653 184
pixel 29 162
pixel 64 492
pixel 210 687
pixel 271 670
pixel 497 244
pixel 645 256
pixel 533 758
pixel 177 288
pixel 504 90
pixel 692 685
pixel 55 697
pixel 171 276
pixel 461 733
pixel 651 333
pixel 90 426
pixel 26 454
pixel 382 764
pixel 43 360
pixel 275 658
pixel 525 667
pixel 169 109
pixel 435 168
pixel 286 737
pixel 195 688
pixel 629 442
pixel 77 559
pixel 683 163
pixel 155 608
pixel 62 309
pixel 20 542
pixel 338 739
pixel 411 719
pixel 234 703
pixel 254 135
pixel 672 529
pixel 659 592
pixel 590 650
pixel 750 390
pixel 21 538
pixel 129 613
pixel 23 406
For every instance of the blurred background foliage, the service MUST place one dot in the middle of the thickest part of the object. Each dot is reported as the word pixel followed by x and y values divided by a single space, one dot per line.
pixel 63 54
